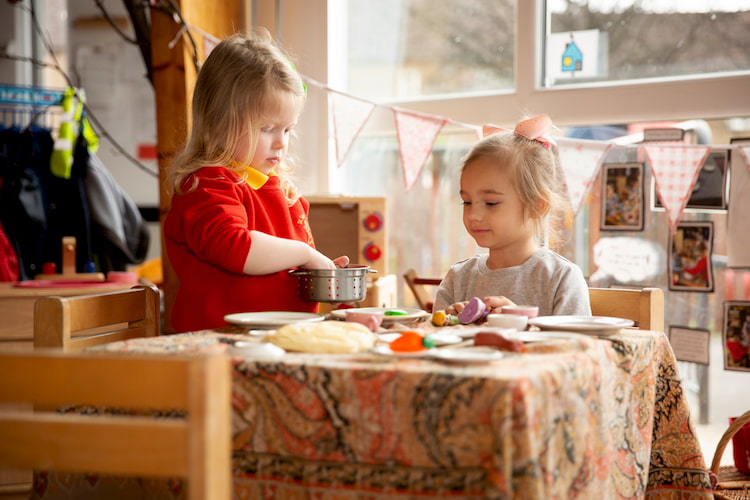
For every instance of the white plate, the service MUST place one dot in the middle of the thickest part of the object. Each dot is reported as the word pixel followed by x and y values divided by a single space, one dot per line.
pixel 467 355
pixel 470 333
pixel 258 350
pixel 411 314
pixel 589 325
pixel 543 336
pixel 385 350
pixel 271 319
pixel 446 338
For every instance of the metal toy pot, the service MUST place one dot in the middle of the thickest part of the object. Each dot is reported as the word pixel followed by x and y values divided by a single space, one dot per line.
pixel 345 284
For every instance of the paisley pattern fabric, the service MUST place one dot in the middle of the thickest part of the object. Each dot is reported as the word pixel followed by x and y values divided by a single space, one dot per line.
pixel 573 418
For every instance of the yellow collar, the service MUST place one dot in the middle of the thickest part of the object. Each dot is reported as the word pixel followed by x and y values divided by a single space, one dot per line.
pixel 255 178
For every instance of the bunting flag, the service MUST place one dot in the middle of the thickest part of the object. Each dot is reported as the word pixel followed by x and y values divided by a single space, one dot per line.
pixel 675 170
pixel 580 161
pixel 745 150
pixel 738 246
pixel 349 117
pixel 416 135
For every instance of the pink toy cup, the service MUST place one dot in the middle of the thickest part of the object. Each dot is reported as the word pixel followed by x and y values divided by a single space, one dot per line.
pixel 528 311
pixel 371 320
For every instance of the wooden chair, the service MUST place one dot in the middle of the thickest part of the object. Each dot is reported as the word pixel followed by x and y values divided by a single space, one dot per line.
pixel 196 448
pixel 420 288
pixel 74 323
pixel 645 307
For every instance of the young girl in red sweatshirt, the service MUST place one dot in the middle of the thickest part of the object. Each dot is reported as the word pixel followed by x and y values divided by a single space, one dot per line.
pixel 237 223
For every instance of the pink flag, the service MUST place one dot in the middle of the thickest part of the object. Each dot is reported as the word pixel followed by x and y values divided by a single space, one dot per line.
pixel 416 136
pixel 675 170
pixel 580 161
pixel 349 117
pixel 745 150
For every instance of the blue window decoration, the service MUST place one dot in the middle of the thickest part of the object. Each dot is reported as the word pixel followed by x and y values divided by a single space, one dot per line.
pixel 572 58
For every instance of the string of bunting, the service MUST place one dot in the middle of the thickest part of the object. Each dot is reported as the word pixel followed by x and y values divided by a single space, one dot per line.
pixel 674 165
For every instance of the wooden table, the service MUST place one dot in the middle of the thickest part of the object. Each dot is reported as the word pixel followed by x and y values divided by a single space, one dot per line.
pixel 573 418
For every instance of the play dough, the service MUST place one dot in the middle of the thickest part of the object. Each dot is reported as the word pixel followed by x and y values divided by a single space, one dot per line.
pixel 323 336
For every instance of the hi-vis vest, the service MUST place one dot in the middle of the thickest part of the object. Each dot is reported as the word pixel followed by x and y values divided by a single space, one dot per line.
pixel 61 162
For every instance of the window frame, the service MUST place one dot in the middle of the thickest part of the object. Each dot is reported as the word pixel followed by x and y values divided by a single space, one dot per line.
pixel 304 31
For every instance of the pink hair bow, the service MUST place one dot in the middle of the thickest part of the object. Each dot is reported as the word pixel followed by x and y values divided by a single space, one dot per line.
pixel 537 129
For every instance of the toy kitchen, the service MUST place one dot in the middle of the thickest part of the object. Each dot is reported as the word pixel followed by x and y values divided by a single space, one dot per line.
pixel 356 226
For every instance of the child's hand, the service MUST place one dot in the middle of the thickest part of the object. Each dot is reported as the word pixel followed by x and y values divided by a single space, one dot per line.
pixel 456 308
pixel 318 261
pixel 494 303
pixel 342 261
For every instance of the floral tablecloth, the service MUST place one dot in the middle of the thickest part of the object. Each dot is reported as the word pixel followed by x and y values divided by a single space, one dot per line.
pixel 585 417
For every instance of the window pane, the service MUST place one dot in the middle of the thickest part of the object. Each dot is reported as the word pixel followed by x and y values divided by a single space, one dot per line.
pixel 400 49
pixel 610 40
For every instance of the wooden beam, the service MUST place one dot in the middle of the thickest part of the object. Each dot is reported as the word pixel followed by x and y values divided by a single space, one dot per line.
pixel 174 73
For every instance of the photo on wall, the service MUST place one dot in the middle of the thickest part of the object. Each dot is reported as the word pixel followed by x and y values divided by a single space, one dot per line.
pixel 691 248
pixel 710 190
pixel 736 335
pixel 622 197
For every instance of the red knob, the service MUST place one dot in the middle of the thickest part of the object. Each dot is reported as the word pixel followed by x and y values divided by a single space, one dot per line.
pixel 373 222
pixel 372 252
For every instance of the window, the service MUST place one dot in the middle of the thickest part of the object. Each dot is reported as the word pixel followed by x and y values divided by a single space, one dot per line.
pixel 406 49
pixel 598 41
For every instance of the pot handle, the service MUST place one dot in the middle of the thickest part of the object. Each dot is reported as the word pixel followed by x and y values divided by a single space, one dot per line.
pixel 299 272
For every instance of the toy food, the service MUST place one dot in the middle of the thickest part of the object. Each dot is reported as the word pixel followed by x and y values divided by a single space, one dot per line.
pixel 497 339
pixel 411 341
pixel 474 311
pixel 440 318
pixel 395 312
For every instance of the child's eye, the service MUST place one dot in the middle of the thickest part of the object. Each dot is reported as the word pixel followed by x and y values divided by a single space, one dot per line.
pixel 267 130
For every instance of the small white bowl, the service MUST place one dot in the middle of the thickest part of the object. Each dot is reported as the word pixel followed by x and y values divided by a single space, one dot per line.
pixel 515 321
pixel 258 350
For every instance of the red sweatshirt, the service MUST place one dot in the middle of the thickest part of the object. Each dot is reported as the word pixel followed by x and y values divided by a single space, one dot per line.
pixel 207 239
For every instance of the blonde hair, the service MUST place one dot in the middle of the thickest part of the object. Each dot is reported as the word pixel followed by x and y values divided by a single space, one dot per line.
pixel 243 79
pixel 534 174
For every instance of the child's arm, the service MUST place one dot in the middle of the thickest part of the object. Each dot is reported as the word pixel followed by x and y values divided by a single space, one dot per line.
pixel 271 254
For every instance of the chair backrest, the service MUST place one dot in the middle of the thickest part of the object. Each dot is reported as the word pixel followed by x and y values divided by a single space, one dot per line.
pixel 420 287
pixel 74 323
pixel 645 306
pixel 196 447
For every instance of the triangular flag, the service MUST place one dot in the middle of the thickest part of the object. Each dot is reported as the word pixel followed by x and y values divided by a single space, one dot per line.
pixel 675 170
pixel 349 117
pixel 580 161
pixel 745 150
pixel 416 136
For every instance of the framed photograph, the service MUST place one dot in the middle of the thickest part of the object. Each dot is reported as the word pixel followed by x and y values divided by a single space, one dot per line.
pixel 622 197
pixel 736 337
pixel 690 344
pixel 710 190
pixel 691 248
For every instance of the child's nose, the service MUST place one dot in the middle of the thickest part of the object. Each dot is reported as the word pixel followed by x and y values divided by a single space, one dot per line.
pixel 279 141
pixel 473 212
